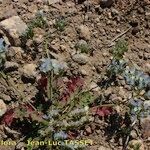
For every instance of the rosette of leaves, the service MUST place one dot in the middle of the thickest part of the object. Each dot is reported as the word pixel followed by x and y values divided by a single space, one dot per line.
pixel 3 48
pixel 116 67
pixel 120 48
pixel 138 109
pixel 82 46
pixel 136 78
pixel 86 98
pixel 60 24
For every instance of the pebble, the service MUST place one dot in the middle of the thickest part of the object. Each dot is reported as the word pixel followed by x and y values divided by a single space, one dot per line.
pixel 80 59
pixel 28 73
pixel 84 32
pixel 10 66
pixel 145 124
pixel 106 3
pixel 103 148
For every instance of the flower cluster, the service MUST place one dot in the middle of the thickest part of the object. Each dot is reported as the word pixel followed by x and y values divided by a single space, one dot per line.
pixel 51 64
pixel 136 78
pixel 116 67
pixel 61 135
pixel 52 114
pixel 79 111
pixel 73 84
pixel 139 109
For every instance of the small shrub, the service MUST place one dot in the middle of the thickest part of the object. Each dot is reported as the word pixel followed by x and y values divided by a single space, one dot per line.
pixel 38 21
pixel 120 48
pixel 60 24
pixel 83 47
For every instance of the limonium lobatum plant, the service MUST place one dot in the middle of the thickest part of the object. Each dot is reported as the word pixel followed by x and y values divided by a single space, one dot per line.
pixel 63 116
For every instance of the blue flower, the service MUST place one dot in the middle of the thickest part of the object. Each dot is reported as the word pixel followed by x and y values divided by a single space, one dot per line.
pixel 2 45
pixel 51 64
pixel 60 135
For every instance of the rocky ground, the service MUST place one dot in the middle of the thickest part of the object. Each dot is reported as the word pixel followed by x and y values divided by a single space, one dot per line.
pixel 97 24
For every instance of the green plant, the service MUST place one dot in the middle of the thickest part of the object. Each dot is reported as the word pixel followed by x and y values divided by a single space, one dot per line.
pixel 83 47
pixel 85 98
pixel 60 24
pixel 120 48
pixel 38 21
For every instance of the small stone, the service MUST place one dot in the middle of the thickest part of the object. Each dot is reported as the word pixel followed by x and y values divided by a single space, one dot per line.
pixel 147 68
pixel 145 124
pixel 14 53
pixel 13 27
pixel 88 130
pixel 103 148
pixel 80 59
pixel 94 87
pixel 28 73
pixel 84 32
pixel 135 30
pixel 10 66
pixel 106 3
pixel 114 12
pixel 3 108
pixel 134 23
pixel 50 2
pixel 5 97
pixel 133 134
pixel 83 72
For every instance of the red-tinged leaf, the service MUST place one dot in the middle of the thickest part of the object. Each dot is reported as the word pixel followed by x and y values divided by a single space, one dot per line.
pixel 42 82
pixel 72 135
pixel 77 81
pixel 29 108
pixel 102 111
pixel 71 87
pixel 8 117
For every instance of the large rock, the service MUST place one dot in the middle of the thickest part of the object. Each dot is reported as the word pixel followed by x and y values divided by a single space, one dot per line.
pixel 7 12
pixel 13 27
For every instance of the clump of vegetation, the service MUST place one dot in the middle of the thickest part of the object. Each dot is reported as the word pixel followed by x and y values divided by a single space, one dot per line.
pixel 136 78
pixel 117 65
pixel 120 48
pixel 83 47
pixel 38 21
pixel 60 24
